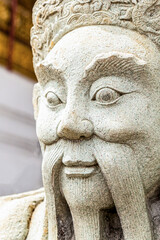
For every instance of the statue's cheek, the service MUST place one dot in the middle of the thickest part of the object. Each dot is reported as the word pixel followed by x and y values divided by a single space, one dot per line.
pixel 46 126
pixel 118 132
pixel 122 122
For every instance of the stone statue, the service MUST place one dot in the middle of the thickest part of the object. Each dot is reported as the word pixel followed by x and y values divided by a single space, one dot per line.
pixel 97 108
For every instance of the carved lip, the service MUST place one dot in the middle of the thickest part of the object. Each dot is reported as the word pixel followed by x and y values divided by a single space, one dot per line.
pixel 80 172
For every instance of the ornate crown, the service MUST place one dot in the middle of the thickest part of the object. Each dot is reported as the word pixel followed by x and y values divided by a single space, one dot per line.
pixel 52 19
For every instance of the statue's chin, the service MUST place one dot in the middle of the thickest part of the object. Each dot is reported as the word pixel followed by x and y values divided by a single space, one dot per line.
pixel 85 187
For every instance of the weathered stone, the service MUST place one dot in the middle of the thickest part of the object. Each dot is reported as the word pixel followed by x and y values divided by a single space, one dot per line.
pixel 97 105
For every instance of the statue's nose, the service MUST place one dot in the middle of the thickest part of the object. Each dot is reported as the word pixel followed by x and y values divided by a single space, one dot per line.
pixel 74 127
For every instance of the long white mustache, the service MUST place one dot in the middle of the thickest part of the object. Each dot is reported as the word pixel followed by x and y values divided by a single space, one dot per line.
pixel 119 167
pixel 121 173
pixel 51 159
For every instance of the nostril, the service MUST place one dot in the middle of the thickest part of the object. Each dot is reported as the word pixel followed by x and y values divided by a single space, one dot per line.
pixel 82 138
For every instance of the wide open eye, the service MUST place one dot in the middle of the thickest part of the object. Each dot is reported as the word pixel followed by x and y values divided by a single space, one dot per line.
pixel 106 96
pixel 52 99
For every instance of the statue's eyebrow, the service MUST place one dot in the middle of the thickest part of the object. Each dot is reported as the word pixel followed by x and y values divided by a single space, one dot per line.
pixel 114 63
pixel 46 72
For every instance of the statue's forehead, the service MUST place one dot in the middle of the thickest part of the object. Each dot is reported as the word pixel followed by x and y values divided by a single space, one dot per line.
pixel 78 48
pixel 87 42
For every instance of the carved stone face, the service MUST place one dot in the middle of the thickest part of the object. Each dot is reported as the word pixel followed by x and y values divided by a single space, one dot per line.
pixel 99 96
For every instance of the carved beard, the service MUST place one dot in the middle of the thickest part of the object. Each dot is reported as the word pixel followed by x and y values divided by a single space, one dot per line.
pixel 116 182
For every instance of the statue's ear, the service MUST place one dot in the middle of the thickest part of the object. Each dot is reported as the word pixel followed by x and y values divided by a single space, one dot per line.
pixel 36 96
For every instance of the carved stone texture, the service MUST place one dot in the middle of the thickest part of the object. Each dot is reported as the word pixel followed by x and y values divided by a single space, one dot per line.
pixel 97 105
pixel 52 19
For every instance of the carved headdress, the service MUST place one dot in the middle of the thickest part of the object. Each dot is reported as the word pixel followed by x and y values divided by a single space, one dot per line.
pixel 52 19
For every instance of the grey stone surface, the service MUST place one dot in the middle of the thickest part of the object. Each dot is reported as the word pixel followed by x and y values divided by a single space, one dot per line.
pixel 97 105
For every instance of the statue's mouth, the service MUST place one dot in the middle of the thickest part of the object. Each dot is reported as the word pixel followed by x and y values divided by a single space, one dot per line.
pixel 79 167
pixel 80 171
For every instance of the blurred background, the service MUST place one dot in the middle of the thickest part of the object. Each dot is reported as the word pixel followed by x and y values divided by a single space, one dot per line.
pixel 20 156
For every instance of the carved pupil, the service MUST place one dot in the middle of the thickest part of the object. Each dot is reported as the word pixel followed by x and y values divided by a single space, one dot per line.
pixel 106 95
pixel 52 99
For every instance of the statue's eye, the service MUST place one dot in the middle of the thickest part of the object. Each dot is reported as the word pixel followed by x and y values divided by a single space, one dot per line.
pixel 52 99
pixel 106 96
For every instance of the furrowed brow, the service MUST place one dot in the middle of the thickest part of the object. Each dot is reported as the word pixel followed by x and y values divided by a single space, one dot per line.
pixel 46 72
pixel 114 63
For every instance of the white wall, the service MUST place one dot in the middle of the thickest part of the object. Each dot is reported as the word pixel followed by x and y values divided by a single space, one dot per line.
pixel 20 157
